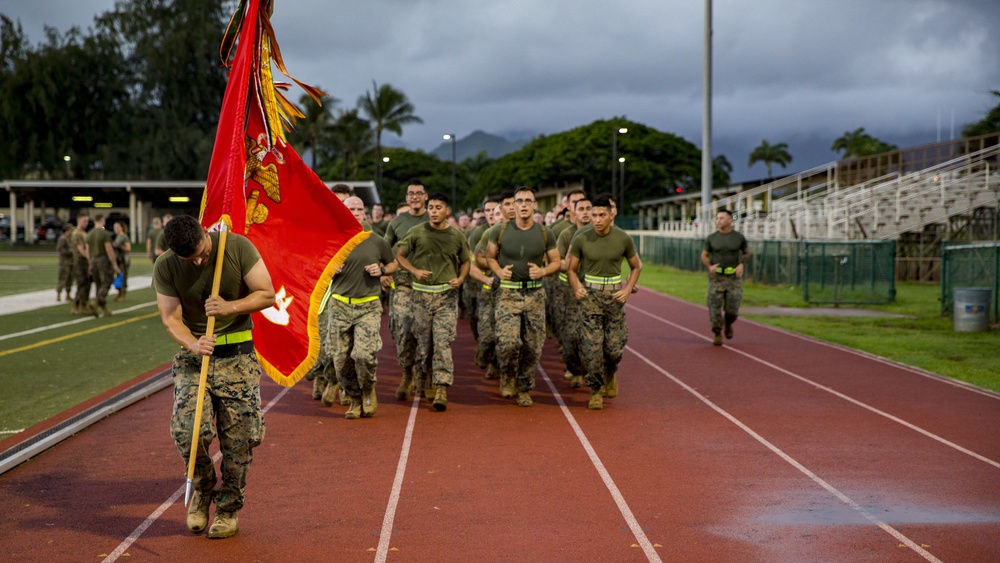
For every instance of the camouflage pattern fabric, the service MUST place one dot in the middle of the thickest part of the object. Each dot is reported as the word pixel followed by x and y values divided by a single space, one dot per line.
pixel 725 294
pixel 232 399
pixel 603 335
pixel 65 281
pixel 81 274
pixel 104 276
pixel 324 360
pixel 486 349
pixel 570 334
pixel 355 343
pixel 520 328
pixel 435 316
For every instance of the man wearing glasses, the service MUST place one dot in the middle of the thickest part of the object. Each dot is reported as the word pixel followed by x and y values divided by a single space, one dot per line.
pixel 521 253
pixel 401 303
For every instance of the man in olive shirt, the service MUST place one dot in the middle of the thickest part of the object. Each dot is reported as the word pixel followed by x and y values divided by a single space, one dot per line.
pixel 569 333
pixel 379 224
pixel 470 290
pixel 486 356
pixel 182 279
pixel 724 253
pixel 595 267
pixel 353 315
pixel 103 265
pixel 521 252
pixel 401 301
pixel 437 256
pixel 81 265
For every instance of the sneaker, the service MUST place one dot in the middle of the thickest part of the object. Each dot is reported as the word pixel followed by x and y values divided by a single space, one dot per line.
pixel 524 399
pixel 197 515
pixel 355 409
pixel 611 387
pixel 441 398
pixel 225 525
pixel 596 400
pixel 717 341
pixel 369 403
pixel 729 331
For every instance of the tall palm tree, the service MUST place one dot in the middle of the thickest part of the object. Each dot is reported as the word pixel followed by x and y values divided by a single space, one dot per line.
pixel 858 143
pixel 389 110
pixel 770 154
pixel 351 136
pixel 311 131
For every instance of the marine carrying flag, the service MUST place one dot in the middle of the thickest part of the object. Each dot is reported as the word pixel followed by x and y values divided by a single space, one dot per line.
pixel 259 187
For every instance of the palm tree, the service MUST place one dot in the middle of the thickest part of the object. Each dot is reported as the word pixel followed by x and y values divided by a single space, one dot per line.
pixel 770 154
pixel 721 170
pixel 388 109
pixel 311 131
pixel 351 136
pixel 858 143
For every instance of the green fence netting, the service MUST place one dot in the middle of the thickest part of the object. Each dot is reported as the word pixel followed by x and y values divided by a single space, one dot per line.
pixel 970 265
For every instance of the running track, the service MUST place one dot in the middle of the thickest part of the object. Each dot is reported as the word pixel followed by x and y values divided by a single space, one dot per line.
pixel 772 448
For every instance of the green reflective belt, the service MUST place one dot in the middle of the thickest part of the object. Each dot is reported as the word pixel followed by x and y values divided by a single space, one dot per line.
pixel 234 338
pixel 563 277
pixel 487 287
pixel 353 300
pixel 520 284
pixel 439 288
pixel 602 280
pixel 726 271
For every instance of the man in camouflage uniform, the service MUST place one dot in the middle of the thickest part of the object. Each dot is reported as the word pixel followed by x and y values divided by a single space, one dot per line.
pixel 595 267
pixel 65 250
pixel 437 256
pixel 123 251
pixel 152 237
pixel 103 265
pixel 81 265
pixel 353 315
pixel 486 356
pixel 557 287
pixel 182 279
pixel 569 333
pixel 723 254
pixel 474 283
pixel 521 253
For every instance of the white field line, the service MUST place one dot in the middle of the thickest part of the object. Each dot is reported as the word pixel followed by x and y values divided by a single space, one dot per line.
pixel 88 318
pixel 633 524
pixel 835 393
pixel 32 300
pixel 155 515
pixel 815 478
pixel 917 371
pixel 397 484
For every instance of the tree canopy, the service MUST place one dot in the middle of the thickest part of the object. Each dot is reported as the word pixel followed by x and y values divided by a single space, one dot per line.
pixel 770 154
pixel 858 143
pixel 990 123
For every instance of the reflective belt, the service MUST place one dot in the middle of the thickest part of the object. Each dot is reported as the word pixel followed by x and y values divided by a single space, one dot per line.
pixel 353 300
pixel 234 338
pixel 602 280
pixel 439 288
pixel 563 277
pixel 725 271
pixel 520 284
pixel 487 287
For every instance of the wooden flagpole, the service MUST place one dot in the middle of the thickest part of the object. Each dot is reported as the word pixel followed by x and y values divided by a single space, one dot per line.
pixel 209 331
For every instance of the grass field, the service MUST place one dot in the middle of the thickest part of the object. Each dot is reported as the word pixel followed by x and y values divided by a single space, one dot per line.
pixel 48 371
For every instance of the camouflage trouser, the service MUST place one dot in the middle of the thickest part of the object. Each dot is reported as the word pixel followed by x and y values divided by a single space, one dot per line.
pixel 434 326
pixel 570 333
pixel 549 286
pixel 520 326
pixel 65 282
pixel 603 335
pixel 486 350
pixel 124 263
pixel 354 344
pixel 468 295
pixel 324 360
pixel 232 398
pixel 81 274
pixel 401 307
pixel 725 294
pixel 104 276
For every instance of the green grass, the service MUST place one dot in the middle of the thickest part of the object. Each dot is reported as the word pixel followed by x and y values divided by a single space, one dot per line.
pixel 34 271
pixel 927 340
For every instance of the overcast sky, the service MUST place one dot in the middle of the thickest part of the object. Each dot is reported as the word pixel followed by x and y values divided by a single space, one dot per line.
pixel 800 72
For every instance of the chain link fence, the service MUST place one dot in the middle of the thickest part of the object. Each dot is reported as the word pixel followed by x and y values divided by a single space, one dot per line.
pixel 970 265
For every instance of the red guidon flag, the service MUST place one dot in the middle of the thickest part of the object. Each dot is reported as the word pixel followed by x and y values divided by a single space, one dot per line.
pixel 259 187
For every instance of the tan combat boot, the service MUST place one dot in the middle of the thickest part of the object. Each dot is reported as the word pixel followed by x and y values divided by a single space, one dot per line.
pixel 596 400
pixel 611 387
pixel 524 399
pixel 441 398
pixel 319 384
pixel 330 394
pixel 225 525
pixel 403 391
pixel 369 402
pixel 355 409
pixel 197 514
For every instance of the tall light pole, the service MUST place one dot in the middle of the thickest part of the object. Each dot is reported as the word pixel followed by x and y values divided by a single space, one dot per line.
pixel 67 159
pixel 451 136
pixel 706 128
pixel 614 154
pixel 621 183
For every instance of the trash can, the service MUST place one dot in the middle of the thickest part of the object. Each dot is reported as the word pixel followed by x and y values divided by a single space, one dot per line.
pixel 972 309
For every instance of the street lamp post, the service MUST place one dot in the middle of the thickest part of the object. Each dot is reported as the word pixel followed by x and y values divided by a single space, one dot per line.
pixel 621 183
pixel 67 159
pixel 451 137
pixel 614 153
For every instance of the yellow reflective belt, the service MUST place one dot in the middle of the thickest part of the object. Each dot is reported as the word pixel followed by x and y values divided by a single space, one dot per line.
pixel 602 280
pixel 353 300
pixel 520 285
pixel 234 338
pixel 726 271
pixel 563 277
pixel 439 288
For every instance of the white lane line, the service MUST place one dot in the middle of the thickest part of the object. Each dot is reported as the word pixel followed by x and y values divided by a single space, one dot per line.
pixel 397 485
pixel 815 478
pixel 633 524
pixel 836 393
pixel 155 515
pixel 88 318
pixel 916 371
pixel 12 431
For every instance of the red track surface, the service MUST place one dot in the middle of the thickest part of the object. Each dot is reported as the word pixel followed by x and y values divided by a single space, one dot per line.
pixel 771 448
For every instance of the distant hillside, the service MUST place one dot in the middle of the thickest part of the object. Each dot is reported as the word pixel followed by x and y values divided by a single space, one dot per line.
pixel 475 143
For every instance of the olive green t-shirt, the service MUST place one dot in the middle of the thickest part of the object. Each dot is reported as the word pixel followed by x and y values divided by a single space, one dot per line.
pixel 380 227
pixel 96 239
pixel 561 225
pixel 727 249
pixel 441 251
pixel 353 280
pixel 520 247
pixel 153 235
pixel 77 239
pixel 476 233
pixel 192 284
pixel 160 243
pixel 602 255
pixel 565 237
pixel 396 230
